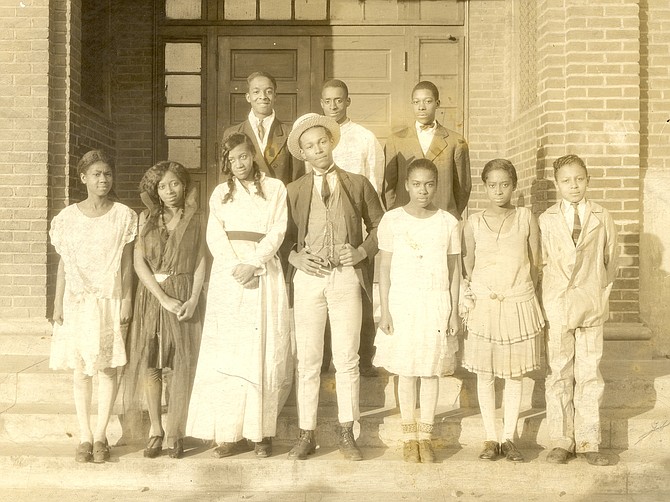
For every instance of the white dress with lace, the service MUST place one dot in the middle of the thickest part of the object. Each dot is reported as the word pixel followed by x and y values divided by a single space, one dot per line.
pixel 91 336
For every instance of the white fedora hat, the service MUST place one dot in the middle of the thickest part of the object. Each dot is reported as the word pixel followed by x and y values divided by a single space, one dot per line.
pixel 308 121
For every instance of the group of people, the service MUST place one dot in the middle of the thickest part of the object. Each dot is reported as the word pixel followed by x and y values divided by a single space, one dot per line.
pixel 293 233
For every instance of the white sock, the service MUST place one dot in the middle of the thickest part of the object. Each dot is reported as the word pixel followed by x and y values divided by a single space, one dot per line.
pixel 430 389
pixel 513 388
pixel 83 390
pixel 407 403
pixel 107 386
pixel 486 393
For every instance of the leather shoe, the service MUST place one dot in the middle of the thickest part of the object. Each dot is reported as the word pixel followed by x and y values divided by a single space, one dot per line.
pixel 228 449
pixel 100 452
pixel 264 448
pixel 490 451
pixel 305 446
pixel 558 456
pixel 347 443
pixel 410 451
pixel 177 450
pixel 595 458
pixel 84 452
pixel 426 451
pixel 154 447
pixel 510 451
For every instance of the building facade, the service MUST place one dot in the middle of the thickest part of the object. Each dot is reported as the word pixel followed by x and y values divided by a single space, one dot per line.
pixel 522 79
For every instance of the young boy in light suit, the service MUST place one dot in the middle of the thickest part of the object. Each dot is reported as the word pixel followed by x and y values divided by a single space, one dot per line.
pixel 329 270
pixel 579 248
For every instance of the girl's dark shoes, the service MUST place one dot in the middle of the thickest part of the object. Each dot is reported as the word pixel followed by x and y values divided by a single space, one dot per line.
pixel 490 451
pixel 595 458
pixel 559 456
pixel 410 451
pixel 100 452
pixel 177 449
pixel 154 447
pixel 426 452
pixel 264 448
pixel 510 452
pixel 84 452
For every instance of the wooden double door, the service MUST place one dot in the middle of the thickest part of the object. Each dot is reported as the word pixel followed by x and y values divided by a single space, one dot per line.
pixel 380 65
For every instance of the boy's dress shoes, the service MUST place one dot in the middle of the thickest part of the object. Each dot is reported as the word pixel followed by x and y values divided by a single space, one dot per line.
pixel 306 445
pixel 595 458
pixel 347 443
pixel 559 456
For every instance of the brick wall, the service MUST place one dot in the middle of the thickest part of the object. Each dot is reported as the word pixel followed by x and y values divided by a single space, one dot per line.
pixel 24 95
pixel 489 38
pixel 589 100
pixel 655 166
pixel 132 98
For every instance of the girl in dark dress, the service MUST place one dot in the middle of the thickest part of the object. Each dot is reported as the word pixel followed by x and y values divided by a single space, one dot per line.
pixel 170 263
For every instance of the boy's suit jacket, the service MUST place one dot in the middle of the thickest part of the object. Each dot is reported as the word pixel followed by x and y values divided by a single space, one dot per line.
pixel 360 203
pixel 577 280
pixel 448 151
pixel 276 161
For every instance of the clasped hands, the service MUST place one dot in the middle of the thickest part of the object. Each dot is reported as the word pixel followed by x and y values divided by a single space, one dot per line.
pixel 314 265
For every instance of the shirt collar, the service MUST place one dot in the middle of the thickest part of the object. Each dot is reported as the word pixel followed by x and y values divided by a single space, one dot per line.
pixel 432 127
pixel 329 171
pixel 253 120
pixel 566 205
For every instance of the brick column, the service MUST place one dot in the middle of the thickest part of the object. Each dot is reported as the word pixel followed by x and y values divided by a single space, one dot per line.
pixel 588 66
pixel 24 139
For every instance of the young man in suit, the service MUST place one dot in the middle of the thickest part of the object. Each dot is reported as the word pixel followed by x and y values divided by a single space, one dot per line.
pixel 329 270
pixel 268 133
pixel 359 152
pixel 427 138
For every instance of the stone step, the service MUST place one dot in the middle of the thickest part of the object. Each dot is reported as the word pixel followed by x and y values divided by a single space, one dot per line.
pixel 628 384
pixel 624 429
pixel 327 477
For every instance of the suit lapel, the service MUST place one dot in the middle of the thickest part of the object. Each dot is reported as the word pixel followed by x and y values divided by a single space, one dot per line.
pixel 302 203
pixel 591 220
pixel 276 141
pixel 438 144
pixel 412 143
pixel 260 159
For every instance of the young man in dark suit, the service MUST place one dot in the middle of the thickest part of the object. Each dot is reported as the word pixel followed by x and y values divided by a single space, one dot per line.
pixel 427 138
pixel 267 132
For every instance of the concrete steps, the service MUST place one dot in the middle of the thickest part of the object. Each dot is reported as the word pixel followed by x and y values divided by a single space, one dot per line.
pixel 458 474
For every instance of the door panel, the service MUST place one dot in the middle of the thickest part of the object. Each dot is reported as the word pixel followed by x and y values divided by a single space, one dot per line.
pixel 372 68
pixel 285 58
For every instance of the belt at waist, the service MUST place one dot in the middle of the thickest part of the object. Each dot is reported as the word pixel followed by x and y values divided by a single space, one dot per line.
pixel 521 293
pixel 241 235
pixel 161 277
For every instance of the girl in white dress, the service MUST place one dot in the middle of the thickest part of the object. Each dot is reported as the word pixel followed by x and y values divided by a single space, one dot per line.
pixel 501 257
pixel 92 305
pixel 419 255
pixel 243 375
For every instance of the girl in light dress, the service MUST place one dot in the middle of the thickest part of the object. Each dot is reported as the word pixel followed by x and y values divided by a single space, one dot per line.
pixel 419 256
pixel 165 333
pixel 92 305
pixel 503 317
pixel 244 368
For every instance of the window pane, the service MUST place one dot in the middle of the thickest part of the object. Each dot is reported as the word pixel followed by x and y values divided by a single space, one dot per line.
pixel 182 89
pixel 185 151
pixel 182 121
pixel 183 9
pixel 182 57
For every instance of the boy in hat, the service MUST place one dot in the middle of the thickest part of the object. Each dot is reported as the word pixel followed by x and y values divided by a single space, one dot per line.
pixel 329 270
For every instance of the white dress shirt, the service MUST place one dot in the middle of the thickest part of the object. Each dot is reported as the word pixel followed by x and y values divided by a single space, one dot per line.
pixel 425 135
pixel 267 124
pixel 359 152
pixel 569 212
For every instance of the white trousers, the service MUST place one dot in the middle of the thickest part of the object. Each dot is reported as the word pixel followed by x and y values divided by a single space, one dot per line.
pixel 338 297
pixel 574 387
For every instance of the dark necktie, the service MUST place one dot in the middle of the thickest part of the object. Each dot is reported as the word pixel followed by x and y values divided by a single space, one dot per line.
pixel 577 224
pixel 261 130
pixel 325 187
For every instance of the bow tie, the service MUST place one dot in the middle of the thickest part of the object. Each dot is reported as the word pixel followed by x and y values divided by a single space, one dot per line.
pixel 427 127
